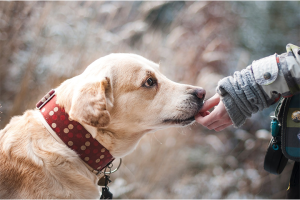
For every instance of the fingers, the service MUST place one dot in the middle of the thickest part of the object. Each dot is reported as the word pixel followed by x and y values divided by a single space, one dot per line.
pixel 218 119
pixel 205 120
pixel 212 123
pixel 221 128
pixel 203 114
pixel 219 125
pixel 211 102
pixel 216 124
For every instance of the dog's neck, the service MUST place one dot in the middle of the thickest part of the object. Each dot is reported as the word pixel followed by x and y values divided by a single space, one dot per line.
pixel 73 134
pixel 115 141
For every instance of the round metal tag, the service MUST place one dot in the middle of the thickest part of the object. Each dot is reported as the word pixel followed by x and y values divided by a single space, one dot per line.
pixel 296 116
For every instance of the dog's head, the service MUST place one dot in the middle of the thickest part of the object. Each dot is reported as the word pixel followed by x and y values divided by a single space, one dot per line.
pixel 120 97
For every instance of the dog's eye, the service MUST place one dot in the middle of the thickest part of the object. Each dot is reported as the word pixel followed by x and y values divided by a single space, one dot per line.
pixel 149 82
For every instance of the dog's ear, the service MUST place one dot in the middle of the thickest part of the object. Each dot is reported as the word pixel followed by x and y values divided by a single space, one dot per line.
pixel 89 104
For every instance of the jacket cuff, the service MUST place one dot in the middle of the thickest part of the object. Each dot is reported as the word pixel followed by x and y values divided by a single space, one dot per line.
pixel 265 70
pixel 233 111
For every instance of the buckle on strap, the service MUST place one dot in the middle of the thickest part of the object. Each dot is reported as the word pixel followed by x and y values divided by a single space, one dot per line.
pixel 45 99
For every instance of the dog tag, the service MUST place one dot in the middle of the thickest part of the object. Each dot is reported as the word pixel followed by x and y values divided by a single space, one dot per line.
pixel 106 194
pixel 102 181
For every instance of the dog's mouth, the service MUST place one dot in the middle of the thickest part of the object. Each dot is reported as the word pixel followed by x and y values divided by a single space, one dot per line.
pixel 183 122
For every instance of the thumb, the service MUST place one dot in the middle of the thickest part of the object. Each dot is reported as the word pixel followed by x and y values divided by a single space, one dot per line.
pixel 211 102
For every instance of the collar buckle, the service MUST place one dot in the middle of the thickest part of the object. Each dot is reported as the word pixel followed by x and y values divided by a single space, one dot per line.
pixel 45 99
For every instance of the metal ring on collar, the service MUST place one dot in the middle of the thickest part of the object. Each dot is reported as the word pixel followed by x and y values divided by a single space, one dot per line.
pixel 110 172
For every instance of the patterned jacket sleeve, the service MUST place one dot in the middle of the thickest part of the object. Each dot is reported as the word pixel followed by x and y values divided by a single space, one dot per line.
pixel 285 72
pixel 261 84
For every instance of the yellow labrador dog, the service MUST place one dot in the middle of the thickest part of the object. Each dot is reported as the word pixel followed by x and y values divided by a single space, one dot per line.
pixel 117 99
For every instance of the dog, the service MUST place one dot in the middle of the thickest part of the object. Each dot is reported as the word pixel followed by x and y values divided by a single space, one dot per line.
pixel 117 99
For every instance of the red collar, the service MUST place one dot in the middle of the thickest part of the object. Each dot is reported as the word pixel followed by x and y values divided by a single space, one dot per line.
pixel 73 134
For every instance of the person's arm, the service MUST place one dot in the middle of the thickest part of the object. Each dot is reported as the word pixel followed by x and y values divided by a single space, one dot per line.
pixel 286 74
pixel 253 89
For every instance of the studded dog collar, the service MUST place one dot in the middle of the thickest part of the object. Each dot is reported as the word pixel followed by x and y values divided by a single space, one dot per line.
pixel 73 134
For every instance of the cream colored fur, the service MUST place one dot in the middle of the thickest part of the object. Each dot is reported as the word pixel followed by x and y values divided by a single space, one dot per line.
pixel 111 101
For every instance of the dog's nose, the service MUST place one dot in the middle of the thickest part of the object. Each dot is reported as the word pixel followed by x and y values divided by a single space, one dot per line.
pixel 200 93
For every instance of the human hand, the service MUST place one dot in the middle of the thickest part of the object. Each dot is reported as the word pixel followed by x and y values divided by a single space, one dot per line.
pixel 218 119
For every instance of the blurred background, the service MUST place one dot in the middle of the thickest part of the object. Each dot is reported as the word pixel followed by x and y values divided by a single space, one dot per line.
pixel 44 43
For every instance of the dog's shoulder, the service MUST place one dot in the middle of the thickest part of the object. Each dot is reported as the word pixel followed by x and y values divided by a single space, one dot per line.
pixel 16 166
pixel 30 157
